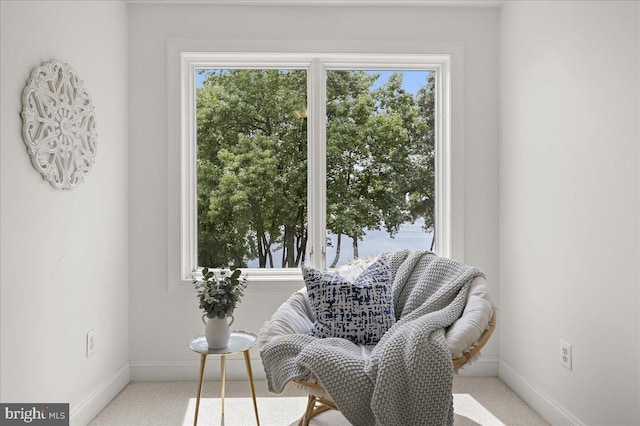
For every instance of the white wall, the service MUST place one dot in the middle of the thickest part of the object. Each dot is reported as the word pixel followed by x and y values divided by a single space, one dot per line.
pixel 64 254
pixel 162 322
pixel 563 183
pixel 569 84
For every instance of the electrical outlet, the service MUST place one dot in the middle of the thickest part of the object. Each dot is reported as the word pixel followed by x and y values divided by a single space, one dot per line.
pixel 91 343
pixel 565 354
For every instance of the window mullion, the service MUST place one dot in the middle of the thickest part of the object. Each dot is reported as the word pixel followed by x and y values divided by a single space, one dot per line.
pixel 317 170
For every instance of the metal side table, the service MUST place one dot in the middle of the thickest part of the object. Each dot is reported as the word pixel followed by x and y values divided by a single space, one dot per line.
pixel 240 341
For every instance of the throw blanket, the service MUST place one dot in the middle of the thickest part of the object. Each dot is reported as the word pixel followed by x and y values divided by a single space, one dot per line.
pixel 407 379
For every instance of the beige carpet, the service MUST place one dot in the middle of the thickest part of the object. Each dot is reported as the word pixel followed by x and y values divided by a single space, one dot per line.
pixel 477 401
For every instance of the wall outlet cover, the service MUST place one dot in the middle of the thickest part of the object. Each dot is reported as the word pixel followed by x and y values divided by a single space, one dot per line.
pixel 566 355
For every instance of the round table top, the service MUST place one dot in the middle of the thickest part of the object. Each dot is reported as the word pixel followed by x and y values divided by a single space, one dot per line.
pixel 239 341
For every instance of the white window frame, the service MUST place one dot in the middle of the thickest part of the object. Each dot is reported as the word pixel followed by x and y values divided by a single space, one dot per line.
pixel 316 66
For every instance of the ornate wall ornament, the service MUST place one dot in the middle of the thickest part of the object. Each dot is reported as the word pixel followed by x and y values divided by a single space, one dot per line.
pixel 59 125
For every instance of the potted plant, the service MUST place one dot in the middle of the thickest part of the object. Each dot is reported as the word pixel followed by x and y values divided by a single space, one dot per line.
pixel 219 294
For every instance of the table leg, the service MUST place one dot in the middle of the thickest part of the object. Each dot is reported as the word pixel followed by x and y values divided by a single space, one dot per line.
pixel 247 361
pixel 203 359
pixel 223 360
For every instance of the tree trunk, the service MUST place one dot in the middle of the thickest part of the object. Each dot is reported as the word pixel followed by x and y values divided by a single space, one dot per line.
pixel 264 251
pixel 301 238
pixel 355 248
pixel 337 256
pixel 270 256
pixel 283 260
pixel 290 245
pixel 433 241
pixel 301 249
pixel 262 260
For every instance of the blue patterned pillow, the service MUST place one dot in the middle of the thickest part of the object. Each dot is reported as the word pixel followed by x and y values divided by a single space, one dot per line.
pixel 361 311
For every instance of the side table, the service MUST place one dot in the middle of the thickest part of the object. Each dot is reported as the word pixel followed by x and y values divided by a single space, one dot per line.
pixel 240 341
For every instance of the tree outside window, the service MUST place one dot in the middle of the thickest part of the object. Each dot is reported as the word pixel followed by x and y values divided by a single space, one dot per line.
pixel 252 164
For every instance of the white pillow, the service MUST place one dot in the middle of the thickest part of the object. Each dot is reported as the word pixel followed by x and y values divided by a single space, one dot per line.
pixel 352 269
pixel 474 319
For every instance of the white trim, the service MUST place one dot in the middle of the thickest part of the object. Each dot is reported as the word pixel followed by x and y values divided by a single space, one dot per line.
pixel 183 247
pixel 486 366
pixel 317 154
pixel 444 185
pixel 188 198
pixel 85 411
pixel 274 280
pixel 544 405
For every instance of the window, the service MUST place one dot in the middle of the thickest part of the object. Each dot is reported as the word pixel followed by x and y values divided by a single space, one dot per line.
pixel 294 159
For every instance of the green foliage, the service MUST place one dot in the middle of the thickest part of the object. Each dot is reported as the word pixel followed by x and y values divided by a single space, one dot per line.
pixel 252 162
pixel 220 294
pixel 252 167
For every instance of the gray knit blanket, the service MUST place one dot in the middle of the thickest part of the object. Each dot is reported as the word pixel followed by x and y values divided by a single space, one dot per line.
pixel 407 379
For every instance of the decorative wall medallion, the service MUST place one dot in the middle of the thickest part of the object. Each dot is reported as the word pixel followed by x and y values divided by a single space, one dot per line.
pixel 58 124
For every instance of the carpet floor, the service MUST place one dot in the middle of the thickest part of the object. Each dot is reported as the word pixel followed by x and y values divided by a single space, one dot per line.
pixel 477 401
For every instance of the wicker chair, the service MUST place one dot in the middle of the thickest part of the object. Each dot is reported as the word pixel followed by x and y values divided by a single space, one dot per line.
pixel 465 337
pixel 319 400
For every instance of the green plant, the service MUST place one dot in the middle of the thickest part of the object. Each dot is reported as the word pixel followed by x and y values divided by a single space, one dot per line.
pixel 219 293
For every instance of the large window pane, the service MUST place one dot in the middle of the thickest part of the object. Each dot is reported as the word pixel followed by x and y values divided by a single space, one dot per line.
pixel 380 163
pixel 252 167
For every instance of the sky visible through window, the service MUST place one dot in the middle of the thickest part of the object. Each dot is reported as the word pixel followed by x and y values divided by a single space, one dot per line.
pixel 412 81
pixel 410 236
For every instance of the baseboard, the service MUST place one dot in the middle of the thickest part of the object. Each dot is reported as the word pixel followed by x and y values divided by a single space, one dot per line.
pixel 485 366
pixel 95 402
pixel 545 406
pixel 185 370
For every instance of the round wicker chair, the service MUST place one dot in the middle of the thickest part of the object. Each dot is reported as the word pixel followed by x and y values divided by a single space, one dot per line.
pixel 465 337
pixel 319 400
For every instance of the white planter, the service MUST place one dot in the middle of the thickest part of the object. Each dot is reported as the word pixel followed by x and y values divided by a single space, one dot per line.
pixel 217 331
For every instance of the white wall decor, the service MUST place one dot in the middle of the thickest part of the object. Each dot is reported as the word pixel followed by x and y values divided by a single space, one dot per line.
pixel 59 126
